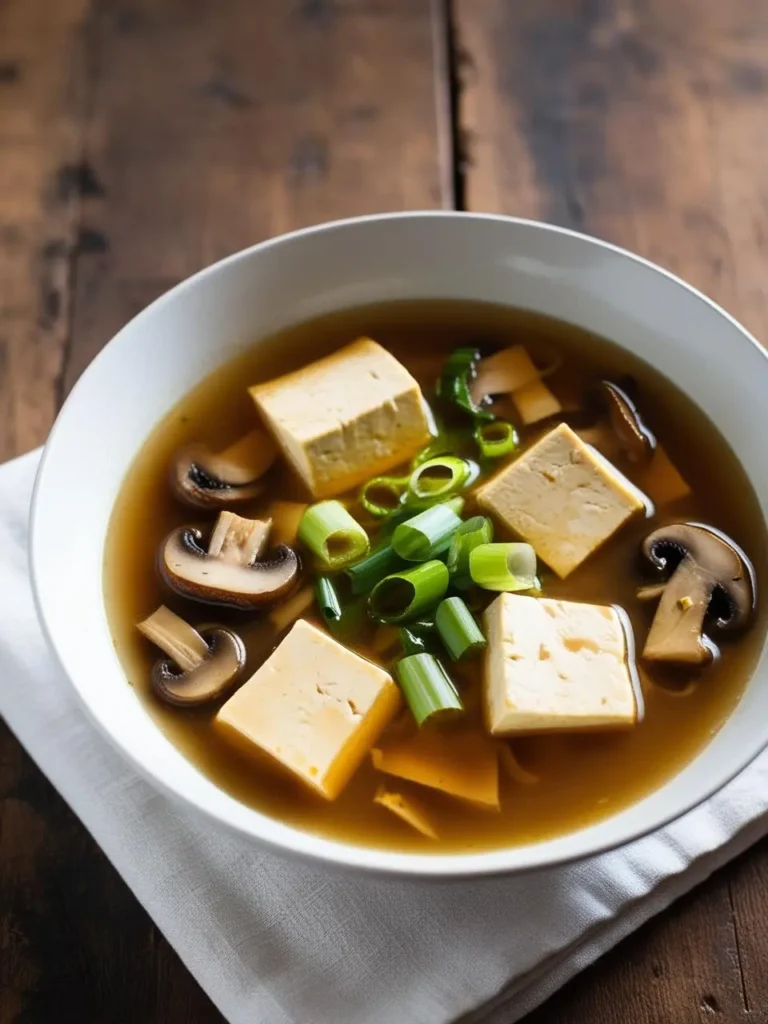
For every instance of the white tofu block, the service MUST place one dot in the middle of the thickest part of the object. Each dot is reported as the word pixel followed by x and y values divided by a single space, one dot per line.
pixel 555 665
pixel 561 497
pixel 345 418
pixel 314 706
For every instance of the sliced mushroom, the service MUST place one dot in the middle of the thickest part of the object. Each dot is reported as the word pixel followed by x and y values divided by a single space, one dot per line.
pixel 206 479
pixel 200 666
pixel 708 575
pixel 231 571
pixel 650 592
pixel 635 439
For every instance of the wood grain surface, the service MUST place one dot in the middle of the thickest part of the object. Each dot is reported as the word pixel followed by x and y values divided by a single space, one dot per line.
pixel 142 139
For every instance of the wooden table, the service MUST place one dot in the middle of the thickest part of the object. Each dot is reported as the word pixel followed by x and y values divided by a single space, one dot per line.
pixel 143 139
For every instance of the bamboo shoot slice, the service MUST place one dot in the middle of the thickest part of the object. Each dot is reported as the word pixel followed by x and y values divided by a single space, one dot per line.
pixel 535 402
pixel 461 764
pixel 407 809
pixel 503 372
pixel 286 614
pixel 512 767
pixel 286 516
pixel 661 480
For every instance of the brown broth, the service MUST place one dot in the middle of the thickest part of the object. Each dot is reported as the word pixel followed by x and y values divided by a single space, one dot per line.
pixel 583 778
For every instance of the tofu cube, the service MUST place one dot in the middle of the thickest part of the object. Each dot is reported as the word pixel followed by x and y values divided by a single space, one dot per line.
pixel 563 498
pixel 555 665
pixel 314 706
pixel 346 418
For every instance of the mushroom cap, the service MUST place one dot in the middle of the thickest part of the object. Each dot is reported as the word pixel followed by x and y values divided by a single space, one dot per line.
pixel 716 556
pixel 203 479
pixel 190 571
pixel 211 679
pixel 636 440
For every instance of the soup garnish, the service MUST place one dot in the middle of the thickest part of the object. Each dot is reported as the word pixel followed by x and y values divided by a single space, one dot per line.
pixel 199 667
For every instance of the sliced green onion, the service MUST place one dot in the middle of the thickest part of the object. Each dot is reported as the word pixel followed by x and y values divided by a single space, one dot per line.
pixel 456 505
pixel 453 386
pixel 330 532
pixel 505 567
pixel 427 534
pixel 353 622
pixel 427 687
pixel 419 636
pixel 423 625
pixel 327 600
pixel 447 441
pixel 471 533
pixel 438 477
pixel 383 495
pixel 496 439
pixel 405 595
pixel 412 641
pixel 458 630
pixel 366 574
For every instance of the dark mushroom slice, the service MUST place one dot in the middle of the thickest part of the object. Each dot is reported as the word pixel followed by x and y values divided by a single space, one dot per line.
pixel 636 441
pixel 707 576
pixel 231 571
pixel 206 479
pixel 200 666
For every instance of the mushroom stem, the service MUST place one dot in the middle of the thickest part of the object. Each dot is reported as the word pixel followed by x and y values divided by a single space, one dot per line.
pixel 676 632
pixel 176 638
pixel 237 540
pixel 228 570
pixel 652 592
pixel 250 457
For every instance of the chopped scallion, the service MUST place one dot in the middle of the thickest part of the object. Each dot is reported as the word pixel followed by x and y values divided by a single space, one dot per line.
pixel 473 532
pixel 453 385
pixel 438 478
pixel 427 534
pixel 354 621
pixel 419 636
pixel 406 595
pixel 366 574
pixel 330 533
pixel 427 687
pixel 504 567
pixel 425 625
pixel 383 495
pixel 413 642
pixel 447 441
pixel 327 600
pixel 458 630
pixel 495 440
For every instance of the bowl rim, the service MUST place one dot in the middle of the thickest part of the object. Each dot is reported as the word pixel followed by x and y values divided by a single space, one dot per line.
pixel 298 843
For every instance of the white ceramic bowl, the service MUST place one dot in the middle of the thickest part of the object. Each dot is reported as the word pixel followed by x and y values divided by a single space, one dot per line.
pixel 182 336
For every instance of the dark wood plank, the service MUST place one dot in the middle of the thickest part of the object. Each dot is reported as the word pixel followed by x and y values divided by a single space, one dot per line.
pixel 42 97
pixel 681 968
pixel 210 133
pixel 142 139
pixel 642 122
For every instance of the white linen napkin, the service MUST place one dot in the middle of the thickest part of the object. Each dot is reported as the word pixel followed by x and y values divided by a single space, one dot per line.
pixel 277 942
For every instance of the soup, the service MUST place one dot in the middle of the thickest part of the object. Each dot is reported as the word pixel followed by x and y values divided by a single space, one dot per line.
pixel 444 642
